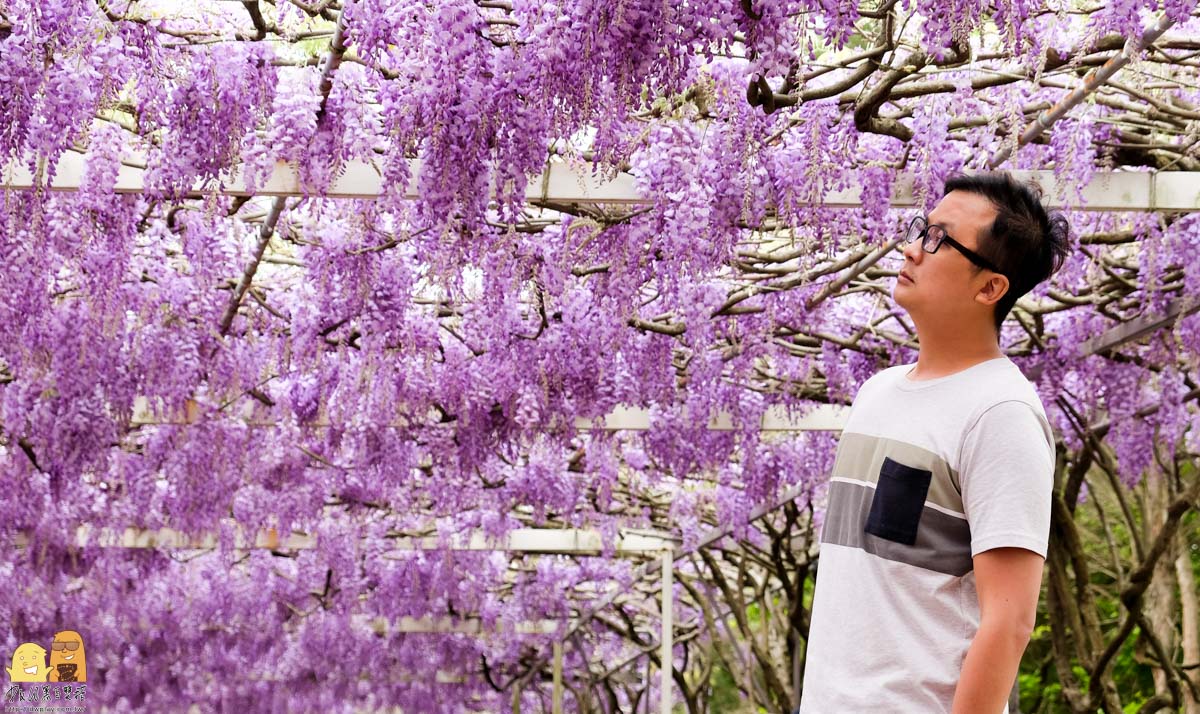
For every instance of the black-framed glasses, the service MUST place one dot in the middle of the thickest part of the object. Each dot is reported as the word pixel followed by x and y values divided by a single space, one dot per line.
pixel 933 236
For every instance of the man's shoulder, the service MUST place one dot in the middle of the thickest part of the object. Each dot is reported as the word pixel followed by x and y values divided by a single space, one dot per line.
pixel 954 400
pixel 887 375
pixel 1005 383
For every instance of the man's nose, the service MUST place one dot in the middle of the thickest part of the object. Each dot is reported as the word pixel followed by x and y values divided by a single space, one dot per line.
pixel 912 251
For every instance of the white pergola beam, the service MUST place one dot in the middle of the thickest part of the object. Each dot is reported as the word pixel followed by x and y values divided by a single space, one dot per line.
pixel 543 541
pixel 576 541
pixel 357 179
pixel 564 183
pixel 469 626
pixel 822 417
pixel 172 539
pixel 825 417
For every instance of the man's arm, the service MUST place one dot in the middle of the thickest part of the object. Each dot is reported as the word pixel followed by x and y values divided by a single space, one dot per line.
pixel 1008 581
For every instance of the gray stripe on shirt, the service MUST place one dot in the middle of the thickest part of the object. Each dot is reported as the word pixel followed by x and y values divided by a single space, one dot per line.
pixel 860 457
pixel 943 542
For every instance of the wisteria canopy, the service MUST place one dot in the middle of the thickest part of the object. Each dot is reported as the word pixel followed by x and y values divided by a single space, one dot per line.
pixel 323 394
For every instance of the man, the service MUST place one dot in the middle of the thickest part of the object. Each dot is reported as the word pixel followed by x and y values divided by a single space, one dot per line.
pixel 939 501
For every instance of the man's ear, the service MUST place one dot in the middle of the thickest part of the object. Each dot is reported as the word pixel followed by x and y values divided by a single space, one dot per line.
pixel 994 289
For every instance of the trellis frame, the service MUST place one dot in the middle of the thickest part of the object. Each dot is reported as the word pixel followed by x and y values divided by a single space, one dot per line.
pixel 1117 191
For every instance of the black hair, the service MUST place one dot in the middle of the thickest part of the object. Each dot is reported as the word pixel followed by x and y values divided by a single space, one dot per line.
pixel 1027 242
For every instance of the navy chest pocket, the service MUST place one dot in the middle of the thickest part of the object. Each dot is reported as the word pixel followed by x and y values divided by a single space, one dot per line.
pixel 898 501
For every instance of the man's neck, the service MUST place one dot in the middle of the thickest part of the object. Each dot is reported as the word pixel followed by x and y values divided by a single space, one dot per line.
pixel 946 351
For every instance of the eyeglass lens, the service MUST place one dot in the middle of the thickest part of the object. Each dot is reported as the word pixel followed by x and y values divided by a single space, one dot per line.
pixel 931 235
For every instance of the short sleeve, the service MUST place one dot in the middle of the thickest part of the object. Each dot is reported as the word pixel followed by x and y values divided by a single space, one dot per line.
pixel 1007 476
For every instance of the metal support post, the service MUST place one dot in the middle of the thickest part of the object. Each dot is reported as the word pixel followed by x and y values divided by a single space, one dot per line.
pixel 665 657
pixel 558 683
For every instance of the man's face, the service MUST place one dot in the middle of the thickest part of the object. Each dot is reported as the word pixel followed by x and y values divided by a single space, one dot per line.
pixel 943 285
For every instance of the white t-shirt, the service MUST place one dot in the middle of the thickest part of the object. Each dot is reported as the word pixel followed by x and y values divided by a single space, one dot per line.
pixel 928 474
